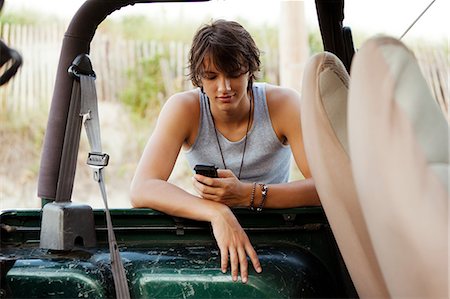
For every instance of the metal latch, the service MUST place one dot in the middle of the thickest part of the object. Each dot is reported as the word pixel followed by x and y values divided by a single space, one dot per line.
pixel 289 218
pixel 179 226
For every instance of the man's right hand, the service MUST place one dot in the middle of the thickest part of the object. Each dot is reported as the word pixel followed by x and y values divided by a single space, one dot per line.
pixel 233 242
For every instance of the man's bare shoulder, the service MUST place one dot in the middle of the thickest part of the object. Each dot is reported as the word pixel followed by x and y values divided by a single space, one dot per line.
pixel 182 103
pixel 184 99
pixel 281 98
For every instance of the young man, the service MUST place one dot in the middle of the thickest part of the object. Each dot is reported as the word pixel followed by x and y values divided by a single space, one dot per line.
pixel 249 130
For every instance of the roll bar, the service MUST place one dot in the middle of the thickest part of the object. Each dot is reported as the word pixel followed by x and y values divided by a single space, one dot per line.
pixel 336 38
pixel 10 55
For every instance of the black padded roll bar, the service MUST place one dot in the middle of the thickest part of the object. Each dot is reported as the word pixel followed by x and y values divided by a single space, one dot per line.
pixel 9 55
pixel 76 41
pixel 336 38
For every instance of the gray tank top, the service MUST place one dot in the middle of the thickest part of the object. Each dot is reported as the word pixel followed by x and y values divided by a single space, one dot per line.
pixel 266 159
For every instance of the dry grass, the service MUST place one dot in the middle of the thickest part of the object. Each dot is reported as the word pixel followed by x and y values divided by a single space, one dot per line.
pixel 21 139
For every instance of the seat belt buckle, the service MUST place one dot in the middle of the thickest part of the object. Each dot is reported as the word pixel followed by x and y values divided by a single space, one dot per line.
pixel 97 159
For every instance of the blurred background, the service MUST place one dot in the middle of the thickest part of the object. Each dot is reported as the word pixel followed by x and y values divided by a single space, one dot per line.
pixel 139 55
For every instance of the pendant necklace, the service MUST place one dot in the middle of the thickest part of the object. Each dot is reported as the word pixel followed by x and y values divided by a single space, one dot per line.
pixel 245 140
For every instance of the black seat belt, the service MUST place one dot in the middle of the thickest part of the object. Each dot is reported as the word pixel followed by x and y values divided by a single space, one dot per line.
pixel 97 160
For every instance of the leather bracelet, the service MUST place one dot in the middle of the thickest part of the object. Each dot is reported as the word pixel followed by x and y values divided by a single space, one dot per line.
pixel 252 198
pixel 264 191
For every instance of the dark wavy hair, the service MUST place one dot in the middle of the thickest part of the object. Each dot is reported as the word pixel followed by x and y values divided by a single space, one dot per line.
pixel 231 48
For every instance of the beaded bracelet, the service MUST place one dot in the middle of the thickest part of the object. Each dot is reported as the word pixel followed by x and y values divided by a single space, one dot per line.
pixel 252 198
pixel 264 191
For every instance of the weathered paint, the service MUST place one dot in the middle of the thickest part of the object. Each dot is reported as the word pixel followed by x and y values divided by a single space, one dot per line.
pixel 165 257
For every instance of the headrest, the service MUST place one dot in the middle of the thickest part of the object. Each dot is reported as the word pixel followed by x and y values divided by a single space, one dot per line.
pixel 324 127
pixel 332 89
pixel 404 83
pixel 398 137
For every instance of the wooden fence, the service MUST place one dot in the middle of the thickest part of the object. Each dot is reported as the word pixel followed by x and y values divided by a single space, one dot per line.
pixel 40 47
pixel 112 57
pixel 32 87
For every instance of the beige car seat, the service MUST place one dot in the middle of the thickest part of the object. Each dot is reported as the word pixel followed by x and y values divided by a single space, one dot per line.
pixel 399 142
pixel 324 124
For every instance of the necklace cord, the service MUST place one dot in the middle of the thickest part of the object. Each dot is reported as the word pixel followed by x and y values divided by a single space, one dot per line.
pixel 246 134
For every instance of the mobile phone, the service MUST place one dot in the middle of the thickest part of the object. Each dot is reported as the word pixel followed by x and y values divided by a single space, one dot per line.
pixel 209 170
